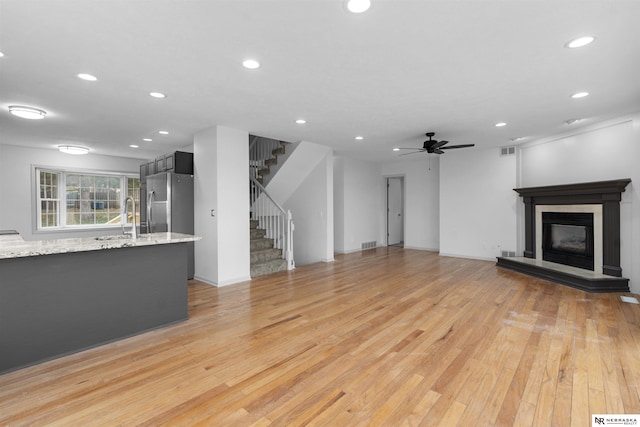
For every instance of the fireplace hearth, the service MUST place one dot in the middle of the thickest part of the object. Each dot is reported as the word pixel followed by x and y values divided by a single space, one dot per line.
pixel 572 235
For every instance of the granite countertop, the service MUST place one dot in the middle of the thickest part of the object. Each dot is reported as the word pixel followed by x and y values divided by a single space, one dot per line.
pixel 14 246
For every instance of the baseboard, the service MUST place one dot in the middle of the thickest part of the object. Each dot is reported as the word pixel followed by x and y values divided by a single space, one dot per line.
pixel 203 280
pixel 419 248
pixel 479 258
pixel 349 251
pixel 223 282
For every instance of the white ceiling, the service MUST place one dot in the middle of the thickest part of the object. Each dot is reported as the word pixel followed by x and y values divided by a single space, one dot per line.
pixel 390 74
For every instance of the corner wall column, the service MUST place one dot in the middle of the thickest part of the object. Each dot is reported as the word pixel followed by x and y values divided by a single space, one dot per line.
pixel 221 199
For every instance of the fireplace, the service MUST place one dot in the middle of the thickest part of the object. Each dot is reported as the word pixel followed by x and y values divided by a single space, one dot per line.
pixel 572 228
pixel 567 238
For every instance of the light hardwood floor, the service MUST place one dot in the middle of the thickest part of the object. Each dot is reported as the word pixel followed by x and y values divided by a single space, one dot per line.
pixel 383 337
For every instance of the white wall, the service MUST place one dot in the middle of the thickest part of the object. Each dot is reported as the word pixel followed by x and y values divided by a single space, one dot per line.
pixel 311 206
pixel 357 204
pixel 338 205
pixel 477 203
pixel 421 201
pixel 221 174
pixel 601 152
pixel 294 169
pixel 17 200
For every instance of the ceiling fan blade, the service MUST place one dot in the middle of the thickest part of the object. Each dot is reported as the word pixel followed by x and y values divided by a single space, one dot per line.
pixel 412 148
pixel 458 146
pixel 439 144
pixel 438 151
pixel 413 152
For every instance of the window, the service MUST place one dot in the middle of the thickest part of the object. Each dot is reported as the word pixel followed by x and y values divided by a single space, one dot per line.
pixel 48 199
pixel 72 199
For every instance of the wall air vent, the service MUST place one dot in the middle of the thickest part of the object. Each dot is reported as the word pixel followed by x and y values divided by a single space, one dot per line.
pixel 508 254
pixel 507 151
pixel 369 245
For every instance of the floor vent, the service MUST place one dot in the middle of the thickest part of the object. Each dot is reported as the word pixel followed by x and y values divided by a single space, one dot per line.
pixel 369 245
pixel 507 151
pixel 508 253
pixel 631 300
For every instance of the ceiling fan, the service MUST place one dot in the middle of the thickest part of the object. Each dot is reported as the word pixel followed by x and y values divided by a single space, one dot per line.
pixel 434 146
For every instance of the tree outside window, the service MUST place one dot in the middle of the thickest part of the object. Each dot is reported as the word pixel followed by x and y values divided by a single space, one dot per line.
pixel 90 199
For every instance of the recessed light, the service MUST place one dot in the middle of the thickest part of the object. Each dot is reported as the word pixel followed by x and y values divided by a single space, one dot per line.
pixel 73 149
pixel 27 112
pixel 157 95
pixel 572 121
pixel 251 64
pixel 163 132
pixel 147 139
pixel 1 54
pixel 359 138
pixel 358 6
pixel 580 95
pixel 87 77
pixel 517 138
pixel 499 125
pixel 579 42
pixel 396 149
pixel 133 145
pixel 301 121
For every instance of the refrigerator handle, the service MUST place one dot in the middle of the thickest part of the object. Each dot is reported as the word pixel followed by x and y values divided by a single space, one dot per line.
pixel 150 198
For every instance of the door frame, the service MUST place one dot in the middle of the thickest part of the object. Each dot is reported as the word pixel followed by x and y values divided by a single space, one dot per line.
pixel 403 203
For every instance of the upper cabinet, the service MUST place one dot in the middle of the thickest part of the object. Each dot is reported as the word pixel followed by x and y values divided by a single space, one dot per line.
pixel 177 162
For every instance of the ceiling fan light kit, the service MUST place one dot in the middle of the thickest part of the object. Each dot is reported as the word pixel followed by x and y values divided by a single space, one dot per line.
pixel 433 146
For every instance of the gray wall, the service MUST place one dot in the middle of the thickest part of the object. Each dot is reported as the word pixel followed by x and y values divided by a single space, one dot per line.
pixel 16 185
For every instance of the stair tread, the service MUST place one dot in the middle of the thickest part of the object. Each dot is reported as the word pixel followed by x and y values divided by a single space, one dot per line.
pixel 268 267
pixel 271 261
pixel 255 251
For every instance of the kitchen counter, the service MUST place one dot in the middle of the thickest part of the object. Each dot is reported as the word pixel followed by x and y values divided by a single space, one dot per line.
pixel 13 246
pixel 63 296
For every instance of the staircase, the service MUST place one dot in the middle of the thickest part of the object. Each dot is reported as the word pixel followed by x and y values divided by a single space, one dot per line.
pixel 265 259
pixel 271 228
pixel 263 153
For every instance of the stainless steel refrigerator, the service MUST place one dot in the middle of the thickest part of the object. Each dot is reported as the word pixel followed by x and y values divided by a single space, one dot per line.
pixel 169 207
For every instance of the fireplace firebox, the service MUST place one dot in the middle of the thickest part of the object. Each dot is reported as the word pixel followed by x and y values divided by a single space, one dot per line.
pixel 567 238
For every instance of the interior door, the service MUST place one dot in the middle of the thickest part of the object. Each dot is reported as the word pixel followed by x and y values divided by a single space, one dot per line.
pixel 395 214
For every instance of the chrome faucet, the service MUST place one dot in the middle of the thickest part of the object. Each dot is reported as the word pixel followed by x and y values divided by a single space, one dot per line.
pixel 134 231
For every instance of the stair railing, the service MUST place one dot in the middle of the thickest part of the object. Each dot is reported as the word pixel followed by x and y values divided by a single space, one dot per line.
pixel 260 150
pixel 274 219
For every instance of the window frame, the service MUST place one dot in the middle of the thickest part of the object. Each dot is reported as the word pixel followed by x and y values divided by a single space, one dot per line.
pixel 62 172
